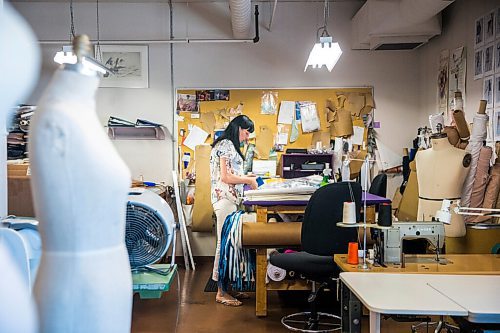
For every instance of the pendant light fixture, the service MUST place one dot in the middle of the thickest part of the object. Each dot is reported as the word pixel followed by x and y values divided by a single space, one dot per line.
pixel 66 56
pixel 325 51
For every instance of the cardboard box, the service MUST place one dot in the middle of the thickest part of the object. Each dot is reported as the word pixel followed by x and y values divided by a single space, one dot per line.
pixel 19 190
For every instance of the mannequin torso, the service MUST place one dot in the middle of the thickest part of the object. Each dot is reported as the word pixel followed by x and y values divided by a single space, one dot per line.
pixel 441 171
pixel 80 187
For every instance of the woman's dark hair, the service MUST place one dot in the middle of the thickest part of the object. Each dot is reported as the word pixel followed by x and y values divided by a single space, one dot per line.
pixel 232 132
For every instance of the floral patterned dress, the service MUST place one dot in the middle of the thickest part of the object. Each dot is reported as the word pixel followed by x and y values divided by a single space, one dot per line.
pixel 219 189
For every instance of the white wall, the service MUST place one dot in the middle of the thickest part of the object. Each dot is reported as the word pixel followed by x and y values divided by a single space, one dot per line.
pixel 458 23
pixel 276 61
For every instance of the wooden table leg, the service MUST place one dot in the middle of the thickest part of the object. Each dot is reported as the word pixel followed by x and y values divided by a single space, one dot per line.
pixel 260 284
pixel 261 263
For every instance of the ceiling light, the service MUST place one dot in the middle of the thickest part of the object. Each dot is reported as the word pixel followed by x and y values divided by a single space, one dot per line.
pixel 325 52
pixel 66 56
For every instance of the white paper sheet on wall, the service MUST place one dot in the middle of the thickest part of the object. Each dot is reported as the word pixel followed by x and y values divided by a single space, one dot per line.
pixel 357 137
pixel 282 138
pixel 196 136
pixel 287 109
pixel 388 158
pixel 309 117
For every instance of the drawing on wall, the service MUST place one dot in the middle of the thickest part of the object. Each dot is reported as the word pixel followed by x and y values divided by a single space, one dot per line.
pixel 479 33
pixel 496 124
pixel 488 91
pixel 444 57
pixel 489 28
pixel 497 22
pixel 478 64
pixel 496 58
pixel 497 90
pixel 129 64
pixel 488 60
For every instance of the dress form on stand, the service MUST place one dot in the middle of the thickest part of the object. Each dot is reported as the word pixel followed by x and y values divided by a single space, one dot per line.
pixel 441 171
pixel 19 68
pixel 80 186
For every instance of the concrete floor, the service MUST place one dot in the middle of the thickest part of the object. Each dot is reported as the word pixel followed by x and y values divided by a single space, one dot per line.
pixel 198 312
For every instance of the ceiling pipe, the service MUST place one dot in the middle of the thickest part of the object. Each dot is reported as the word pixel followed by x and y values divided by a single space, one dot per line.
pixel 241 17
pixel 168 41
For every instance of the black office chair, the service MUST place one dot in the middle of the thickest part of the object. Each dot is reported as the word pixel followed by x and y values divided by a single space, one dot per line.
pixel 321 238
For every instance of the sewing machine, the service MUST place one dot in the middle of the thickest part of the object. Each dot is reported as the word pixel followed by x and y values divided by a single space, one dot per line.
pixel 389 242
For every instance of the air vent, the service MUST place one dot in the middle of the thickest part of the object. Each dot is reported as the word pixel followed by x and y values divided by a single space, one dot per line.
pixel 398 46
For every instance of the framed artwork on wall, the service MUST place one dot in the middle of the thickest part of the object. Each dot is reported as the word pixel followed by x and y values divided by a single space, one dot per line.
pixel 489 27
pixel 488 91
pixel 497 22
pixel 488 67
pixel 479 32
pixel 129 63
pixel 478 64
pixel 496 58
pixel 496 87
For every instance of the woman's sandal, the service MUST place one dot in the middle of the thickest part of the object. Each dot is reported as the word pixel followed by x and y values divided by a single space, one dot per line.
pixel 228 302
pixel 239 295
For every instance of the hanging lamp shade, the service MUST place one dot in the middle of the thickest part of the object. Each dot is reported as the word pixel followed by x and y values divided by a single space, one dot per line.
pixel 326 53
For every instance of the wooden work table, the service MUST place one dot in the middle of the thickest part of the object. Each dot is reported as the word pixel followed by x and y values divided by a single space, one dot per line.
pixel 479 264
pixel 263 209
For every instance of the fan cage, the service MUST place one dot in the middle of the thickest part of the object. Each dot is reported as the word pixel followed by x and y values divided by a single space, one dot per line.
pixel 146 235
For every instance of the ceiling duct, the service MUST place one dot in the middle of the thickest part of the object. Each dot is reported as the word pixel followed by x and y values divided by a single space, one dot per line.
pixel 241 17
pixel 396 24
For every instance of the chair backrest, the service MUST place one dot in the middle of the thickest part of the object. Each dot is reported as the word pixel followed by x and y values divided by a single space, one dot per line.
pixel 320 233
pixel 379 185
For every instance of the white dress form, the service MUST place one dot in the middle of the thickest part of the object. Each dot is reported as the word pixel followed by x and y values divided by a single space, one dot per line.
pixel 80 187
pixel 19 68
pixel 441 171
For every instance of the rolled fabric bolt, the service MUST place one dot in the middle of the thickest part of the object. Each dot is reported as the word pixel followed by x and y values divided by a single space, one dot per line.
pixel 462 127
pixel 452 134
pixel 275 273
pixel 349 213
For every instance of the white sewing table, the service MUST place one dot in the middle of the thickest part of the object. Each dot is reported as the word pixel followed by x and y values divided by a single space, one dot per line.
pixel 472 296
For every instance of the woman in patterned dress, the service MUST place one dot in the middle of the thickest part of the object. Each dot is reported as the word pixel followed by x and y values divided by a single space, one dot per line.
pixel 227 181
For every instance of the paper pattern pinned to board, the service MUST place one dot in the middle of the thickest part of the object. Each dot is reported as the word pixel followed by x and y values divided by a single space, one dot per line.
pixel 196 136
pixel 286 113
pixel 264 142
pixel 388 158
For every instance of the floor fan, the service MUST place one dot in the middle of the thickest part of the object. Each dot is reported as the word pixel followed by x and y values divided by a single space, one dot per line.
pixel 150 229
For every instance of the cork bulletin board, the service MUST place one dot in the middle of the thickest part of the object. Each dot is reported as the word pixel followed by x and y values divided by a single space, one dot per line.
pixel 210 114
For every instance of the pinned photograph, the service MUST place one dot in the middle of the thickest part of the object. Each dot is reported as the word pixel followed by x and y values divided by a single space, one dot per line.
pixel 478 64
pixel 187 102
pixel 489 27
pixel 479 32
pixel 488 91
pixel 129 64
pixel 205 95
pixel 488 68
pixel 221 95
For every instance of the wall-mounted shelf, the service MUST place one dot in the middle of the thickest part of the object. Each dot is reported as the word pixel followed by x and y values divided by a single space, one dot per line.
pixel 136 133
pixel 291 165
